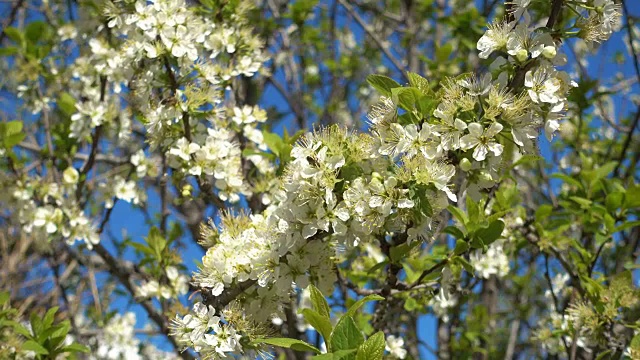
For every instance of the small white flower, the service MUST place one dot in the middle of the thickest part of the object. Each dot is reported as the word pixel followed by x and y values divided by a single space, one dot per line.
pixel 482 140
pixel 542 85
pixel 184 149
pixel 395 346
pixel 495 38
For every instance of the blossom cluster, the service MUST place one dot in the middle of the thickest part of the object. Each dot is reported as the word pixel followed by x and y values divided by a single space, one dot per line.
pixel 206 332
pixel 178 284
pixel 200 135
pixel 48 210
pixel 117 340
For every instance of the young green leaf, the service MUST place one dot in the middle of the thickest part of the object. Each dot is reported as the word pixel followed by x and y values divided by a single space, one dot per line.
pixel 373 348
pixel 382 83
pixel 338 355
pixel 490 233
pixel 346 334
pixel 35 347
pixel 293 344
pixel 319 322
pixel 358 304
pixel 318 301
pixel 75 347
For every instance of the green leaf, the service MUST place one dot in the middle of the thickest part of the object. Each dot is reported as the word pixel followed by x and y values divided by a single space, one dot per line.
pixel 12 127
pixel 346 334
pixel 8 51
pixel 465 264
pixel 4 297
pixel 377 266
pixel 11 133
pixel 426 105
pixel 418 193
pixel 273 142
pixel 35 31
pixel 293 344
pixel 75 347
pixel 584 203
pixel 614 201
pixel 601 172
pixel 543 211
pixel 397 253
pixel 17 327
pixel 67 104
pixel 61 330
pixel 156 241
pixel 36 324
pixel 635 342
pixel 632 200
pixel 13 140
pixel 527 159
pixel 47 320
pixel 358 304
pixel 627 225
pixel 454 231
pixel 490 233
pixel 419 83
pixel 35 347
pixel 461 247
pixel 405 97
pixel 373 348
pixel 443 52
pixel 319 303
pixel 382 83
pixel 14 34
pixel 458 215
pixel 410 304
pixel 142 248
pixel 604 354
pixel 568 179
pixel 338 355
pixel 319 322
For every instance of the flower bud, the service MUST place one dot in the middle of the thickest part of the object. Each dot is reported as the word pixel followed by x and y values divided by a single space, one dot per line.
pixel 70 175
pixel 465 164
pixel 522 55
pixel 549 52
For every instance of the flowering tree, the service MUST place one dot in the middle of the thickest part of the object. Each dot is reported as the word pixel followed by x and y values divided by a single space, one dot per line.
pixel 233 134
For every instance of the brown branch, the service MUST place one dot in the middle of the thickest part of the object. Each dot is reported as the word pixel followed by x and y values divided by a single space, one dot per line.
pixel 11 18
pixel 627 143
pixel 556 11
pixel 124 275
pixel 401 68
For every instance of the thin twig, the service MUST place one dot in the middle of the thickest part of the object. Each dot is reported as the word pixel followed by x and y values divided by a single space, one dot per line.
pixel 401 68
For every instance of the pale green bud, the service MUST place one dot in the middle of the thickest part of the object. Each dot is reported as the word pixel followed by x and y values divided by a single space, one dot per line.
pixel 70 175
pixel 522 55
pixel 549 52
pixel 465 164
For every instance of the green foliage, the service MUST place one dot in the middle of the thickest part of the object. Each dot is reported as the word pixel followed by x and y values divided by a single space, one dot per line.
pixel 46 337
pixel 11 133
pixel 281 146
pixel 383 84
pixel 344 341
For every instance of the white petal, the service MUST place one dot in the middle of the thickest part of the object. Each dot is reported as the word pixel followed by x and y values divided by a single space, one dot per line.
pixel 480 153
pixel 493 129
pixel 475 129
